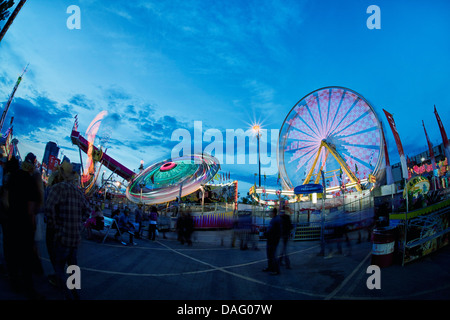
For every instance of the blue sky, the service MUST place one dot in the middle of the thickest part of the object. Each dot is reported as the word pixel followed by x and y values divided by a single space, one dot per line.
pixel 158 66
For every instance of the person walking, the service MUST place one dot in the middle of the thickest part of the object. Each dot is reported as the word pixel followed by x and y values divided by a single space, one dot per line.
pixel 66 205
pixel 273 235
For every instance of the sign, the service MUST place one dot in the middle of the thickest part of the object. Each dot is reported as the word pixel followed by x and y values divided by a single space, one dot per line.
pixel 308 188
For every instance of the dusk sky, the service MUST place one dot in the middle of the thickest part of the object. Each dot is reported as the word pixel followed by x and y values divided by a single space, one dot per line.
pixel 158 66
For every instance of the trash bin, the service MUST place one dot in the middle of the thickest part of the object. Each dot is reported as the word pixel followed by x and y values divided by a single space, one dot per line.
pixel 383 246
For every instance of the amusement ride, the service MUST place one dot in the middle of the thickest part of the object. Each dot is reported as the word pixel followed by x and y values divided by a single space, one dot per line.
pixel 333 137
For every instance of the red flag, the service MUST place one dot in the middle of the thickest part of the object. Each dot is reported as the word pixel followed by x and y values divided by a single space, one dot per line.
pixel 389 178
pixel 391 121
pixel 443 134
pixel 430 148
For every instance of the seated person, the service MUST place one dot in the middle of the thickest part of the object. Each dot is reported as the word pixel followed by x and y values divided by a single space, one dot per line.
pixel 126 225
pixel 95 221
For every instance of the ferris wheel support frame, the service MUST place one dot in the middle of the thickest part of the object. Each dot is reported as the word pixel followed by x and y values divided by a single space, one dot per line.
pixel 341 162
pixel 316 181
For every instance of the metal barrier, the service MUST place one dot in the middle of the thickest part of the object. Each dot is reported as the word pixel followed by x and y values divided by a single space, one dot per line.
pixel 424 234
pixel 307 232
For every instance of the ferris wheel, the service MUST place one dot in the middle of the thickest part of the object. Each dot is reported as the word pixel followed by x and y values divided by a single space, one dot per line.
pixel 333 130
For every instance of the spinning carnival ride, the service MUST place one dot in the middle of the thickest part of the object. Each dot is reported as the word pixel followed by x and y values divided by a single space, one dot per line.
pixel 165 180
pixel 160 182
pixel 334 130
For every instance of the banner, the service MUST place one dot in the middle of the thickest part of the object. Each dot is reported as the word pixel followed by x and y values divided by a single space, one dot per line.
pixel 443 134
pixel 399 144
pixel 53 162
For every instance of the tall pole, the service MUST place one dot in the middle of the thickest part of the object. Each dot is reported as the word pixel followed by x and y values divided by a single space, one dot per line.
pixel 259 160
pixel 406 224
pixel 256 128
pixel 5 111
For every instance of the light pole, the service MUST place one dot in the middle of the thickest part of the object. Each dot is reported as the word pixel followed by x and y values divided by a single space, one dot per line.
pixel 141 185
pixel 257 128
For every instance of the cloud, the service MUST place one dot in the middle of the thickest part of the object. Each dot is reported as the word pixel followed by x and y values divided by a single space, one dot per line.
pixel 32 116
pixel 82 101
pixel 116 94
pixel 228 35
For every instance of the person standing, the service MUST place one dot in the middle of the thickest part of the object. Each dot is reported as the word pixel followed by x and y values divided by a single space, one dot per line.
pixel 24 197
pixel 153 216
pixel 273 235
pixel 180 226
pixel 66 205
pixel 286 228
pixel 188 228
pixel 139 219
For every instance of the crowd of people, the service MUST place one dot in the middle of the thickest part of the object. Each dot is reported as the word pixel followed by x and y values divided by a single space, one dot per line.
pixel 24 197
pixel 66 208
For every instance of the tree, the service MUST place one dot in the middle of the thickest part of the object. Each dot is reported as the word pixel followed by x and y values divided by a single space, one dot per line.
pixel 248 199
pixel 5 5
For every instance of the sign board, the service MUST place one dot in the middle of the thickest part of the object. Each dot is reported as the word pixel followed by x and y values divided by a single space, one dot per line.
pixel 308 188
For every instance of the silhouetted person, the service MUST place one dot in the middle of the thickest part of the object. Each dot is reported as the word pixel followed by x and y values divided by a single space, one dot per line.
pixel 24 197
pixel 273 235
pixel 286 228
pixel 66 205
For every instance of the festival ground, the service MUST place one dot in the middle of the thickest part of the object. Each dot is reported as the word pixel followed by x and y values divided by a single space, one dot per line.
pixel 211 269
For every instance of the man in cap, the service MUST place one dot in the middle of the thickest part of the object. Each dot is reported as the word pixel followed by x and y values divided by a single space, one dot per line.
pixel 65 205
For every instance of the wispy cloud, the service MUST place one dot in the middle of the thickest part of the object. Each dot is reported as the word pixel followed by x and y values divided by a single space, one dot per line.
pixel 227 33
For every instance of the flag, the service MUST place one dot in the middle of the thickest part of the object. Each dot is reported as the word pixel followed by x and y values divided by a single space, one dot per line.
pixel 389 178
pixel 443 134
pixel 391 121
pixel 430 148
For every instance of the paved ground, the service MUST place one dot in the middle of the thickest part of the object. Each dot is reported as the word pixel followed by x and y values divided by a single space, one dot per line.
pixel 211 269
